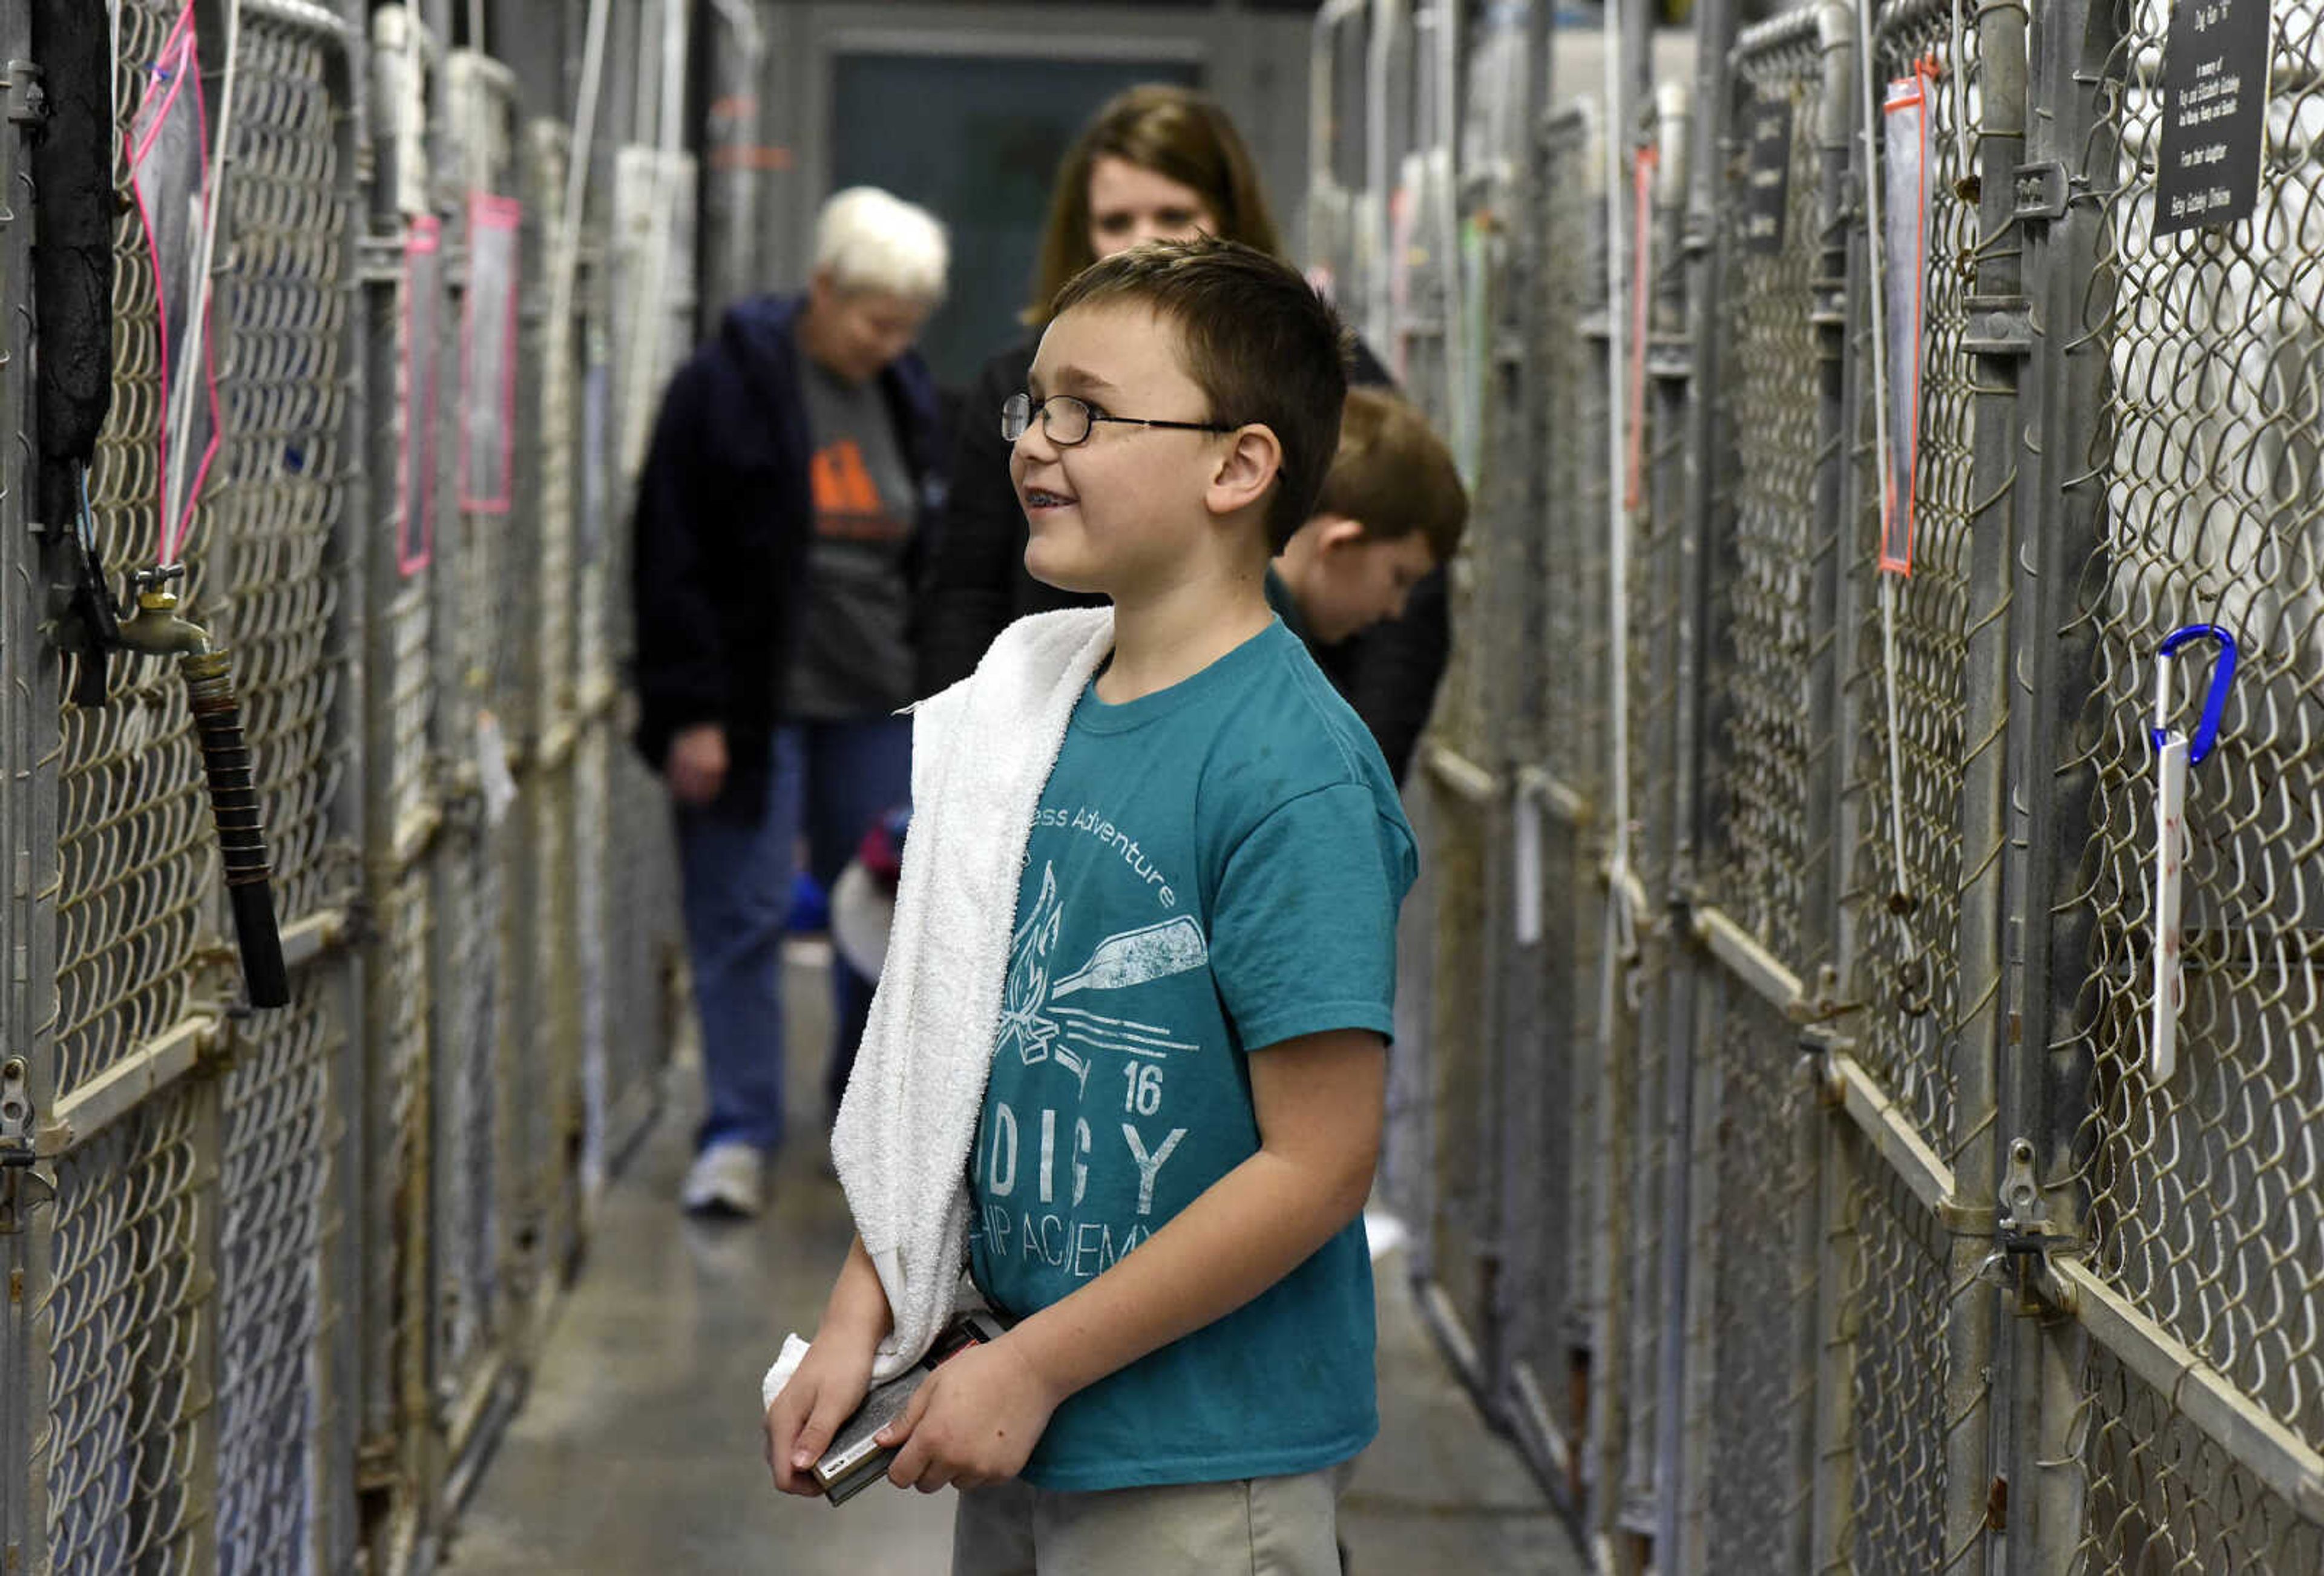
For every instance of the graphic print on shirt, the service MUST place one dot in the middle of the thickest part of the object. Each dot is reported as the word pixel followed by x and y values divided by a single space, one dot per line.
pixel 847 506
pixel 1037 1028
pixel 1075 1006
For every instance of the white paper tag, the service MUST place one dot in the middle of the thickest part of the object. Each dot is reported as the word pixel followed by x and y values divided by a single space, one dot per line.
pixel 2170 860
pixel 1527 875
pixel 493 769
pixel 1905 146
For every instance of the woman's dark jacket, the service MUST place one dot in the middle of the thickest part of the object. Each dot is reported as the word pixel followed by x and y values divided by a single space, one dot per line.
pixel 725 516
pixel 976 584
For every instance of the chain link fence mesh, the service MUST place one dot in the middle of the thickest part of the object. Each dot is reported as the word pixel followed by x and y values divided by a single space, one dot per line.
pixel 134 845
pixel 463 1168
pixel 1408 1140
pixel 405 378
pixel 555 354
pixel 284 374
pixel 1908 920
pixel 1571 266
pixel 1538 1081
pixel 1759 1124
pixel 399 1178
pixel 2162 1497
pixel 1458 1096
pixel 277 1189
pixel 547 1075
pixel 123 1330
pixel 644 1002
pixel 592 960
pixel 1893 1328
pixel 1840 1378
pixel 475 661
pixel 2203 1208
pixel 1771 738
pixel 181 1275
pixel 193 1400
pixel 1647 1054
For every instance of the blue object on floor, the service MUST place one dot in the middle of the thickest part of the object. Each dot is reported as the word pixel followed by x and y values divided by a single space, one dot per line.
pixel 810 907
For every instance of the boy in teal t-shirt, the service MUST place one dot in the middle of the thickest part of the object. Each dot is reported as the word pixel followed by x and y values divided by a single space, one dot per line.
pixel 1184 1108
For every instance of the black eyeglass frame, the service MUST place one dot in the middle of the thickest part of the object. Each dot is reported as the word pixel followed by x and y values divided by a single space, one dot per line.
pixel 1017 411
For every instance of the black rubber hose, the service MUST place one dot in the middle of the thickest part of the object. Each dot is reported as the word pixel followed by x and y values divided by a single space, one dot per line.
pixel 241 838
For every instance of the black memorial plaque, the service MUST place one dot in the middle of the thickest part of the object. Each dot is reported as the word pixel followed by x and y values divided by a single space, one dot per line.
pixel 1767 175
pixel 2214 114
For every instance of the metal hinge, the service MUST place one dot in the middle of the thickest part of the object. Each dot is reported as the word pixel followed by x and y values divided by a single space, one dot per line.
pixel 2000 326
pixel 28 102
pixel 19 1132
pixel 2039 191
pixel 2024 1232
pixel 1670 359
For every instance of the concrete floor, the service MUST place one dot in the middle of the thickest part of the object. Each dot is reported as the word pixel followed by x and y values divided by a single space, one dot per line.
pixel 638 1447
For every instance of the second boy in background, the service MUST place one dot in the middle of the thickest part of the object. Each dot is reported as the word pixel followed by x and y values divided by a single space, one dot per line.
pixel 1390 512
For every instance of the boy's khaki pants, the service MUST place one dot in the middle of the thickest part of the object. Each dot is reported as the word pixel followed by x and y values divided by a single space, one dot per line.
pixel 1261 1527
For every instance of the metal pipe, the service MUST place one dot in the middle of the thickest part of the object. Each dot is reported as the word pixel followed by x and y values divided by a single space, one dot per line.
pixel 2046 1081
pixel 346 1311
pixel 650 331
pixel 565 263
pixel 1462 387
pixel 33 467
pixel 317 936
pixel 1555 794
pixel 1749 961
pixel 1618 551
pixel 1324 94
pixel 1678 298
pixel 1837 384
pixel 140 1073
pixel 1981 1039
pixel 1608 1401
pixel 1472 783
pixel 1892 1131
pixel 1809 1137
pixel 1378 176
pixel 1841 279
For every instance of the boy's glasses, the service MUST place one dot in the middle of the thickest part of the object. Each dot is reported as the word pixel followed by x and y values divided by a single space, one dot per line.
pixel 1066 421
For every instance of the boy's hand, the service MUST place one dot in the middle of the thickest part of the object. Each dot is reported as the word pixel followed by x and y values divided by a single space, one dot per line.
pixel 831 1382
pixel 973 1422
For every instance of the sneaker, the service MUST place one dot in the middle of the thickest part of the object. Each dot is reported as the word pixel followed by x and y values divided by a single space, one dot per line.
pixel 725 1179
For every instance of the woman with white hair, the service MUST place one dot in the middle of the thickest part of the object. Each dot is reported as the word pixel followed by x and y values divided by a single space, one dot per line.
pixel 778 532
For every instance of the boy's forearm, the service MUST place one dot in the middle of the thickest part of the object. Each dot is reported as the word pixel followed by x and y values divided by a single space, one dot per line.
pixel 858 1307
pixel 1249 1230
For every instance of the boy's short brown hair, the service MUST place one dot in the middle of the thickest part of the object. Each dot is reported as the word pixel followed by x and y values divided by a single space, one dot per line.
pixel 1394 475
pixel 1258 340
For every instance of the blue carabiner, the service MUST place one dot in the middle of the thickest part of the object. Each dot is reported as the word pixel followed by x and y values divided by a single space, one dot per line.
pixel 2215 705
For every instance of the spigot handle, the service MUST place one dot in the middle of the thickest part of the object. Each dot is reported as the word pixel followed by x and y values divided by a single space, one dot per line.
pixel 241 838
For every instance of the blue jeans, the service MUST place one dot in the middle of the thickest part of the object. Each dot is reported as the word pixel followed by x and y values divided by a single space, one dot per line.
pixel 830 781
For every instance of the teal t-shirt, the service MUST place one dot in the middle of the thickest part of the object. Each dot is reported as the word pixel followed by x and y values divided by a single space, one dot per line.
pixel 1213 869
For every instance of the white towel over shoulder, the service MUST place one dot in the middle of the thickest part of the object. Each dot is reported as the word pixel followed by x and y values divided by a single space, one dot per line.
pixel 981 753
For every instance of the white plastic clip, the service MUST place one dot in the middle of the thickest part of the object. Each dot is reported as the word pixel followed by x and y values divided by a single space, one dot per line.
pixel 2174 752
